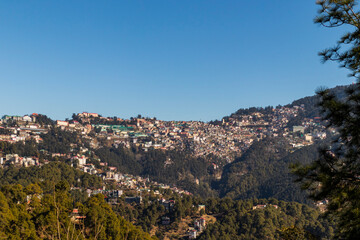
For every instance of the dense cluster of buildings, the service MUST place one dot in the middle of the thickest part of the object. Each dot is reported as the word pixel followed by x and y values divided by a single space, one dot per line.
pixel 226 139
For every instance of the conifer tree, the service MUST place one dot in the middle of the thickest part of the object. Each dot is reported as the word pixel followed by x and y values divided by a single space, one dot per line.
pixel 335 176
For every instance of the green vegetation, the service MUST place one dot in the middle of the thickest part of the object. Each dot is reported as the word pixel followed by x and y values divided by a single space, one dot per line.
pixel 257 190
pixel 271 219
pixel 44 120
pixel 31 213
pixel 46 175
pixel 58 141
pixel 263 172
pixel 335 174
pixel 182 168
pixel 235 219
pixel 149 214
pixel 55 141
pixel 37 203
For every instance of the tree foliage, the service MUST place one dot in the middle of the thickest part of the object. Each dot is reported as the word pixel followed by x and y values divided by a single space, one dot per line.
pixel 272 220
pixel 182 170
pixel 263 172
pixel 335 175
pixel 47 175
pixel 30 213
pixel 335 13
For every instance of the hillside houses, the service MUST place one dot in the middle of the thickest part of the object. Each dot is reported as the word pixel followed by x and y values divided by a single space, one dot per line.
pixel 16 160
pixel 226 140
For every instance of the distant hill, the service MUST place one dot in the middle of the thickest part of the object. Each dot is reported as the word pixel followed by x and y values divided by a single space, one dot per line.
pixel 310 103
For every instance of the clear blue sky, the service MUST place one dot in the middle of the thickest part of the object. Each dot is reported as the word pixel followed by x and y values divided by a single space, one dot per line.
pixel 175 60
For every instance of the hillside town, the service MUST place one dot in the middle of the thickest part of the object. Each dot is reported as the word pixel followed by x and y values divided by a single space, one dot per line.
pixel 224 139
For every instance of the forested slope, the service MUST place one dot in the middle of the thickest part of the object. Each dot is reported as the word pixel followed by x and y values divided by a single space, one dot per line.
pixel 170 167
pixel 30 213
pixel 263 172
pixel 265 219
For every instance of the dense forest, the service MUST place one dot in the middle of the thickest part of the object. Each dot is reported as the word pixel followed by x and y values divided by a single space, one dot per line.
pixel 59 141
pixel 264 172
pixel 170 167
pixel 54 141
pixel 40 203
pixel 234 219
pixel 32 213
pixel 48 174
pixel 265 219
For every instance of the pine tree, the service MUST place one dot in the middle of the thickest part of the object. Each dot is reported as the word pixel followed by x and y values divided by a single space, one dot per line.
pixel 335 176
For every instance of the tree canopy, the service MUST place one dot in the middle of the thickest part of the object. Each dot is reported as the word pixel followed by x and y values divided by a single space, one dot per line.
pixel 335 175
